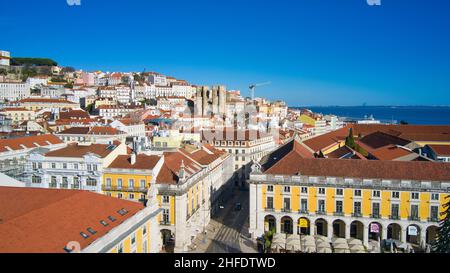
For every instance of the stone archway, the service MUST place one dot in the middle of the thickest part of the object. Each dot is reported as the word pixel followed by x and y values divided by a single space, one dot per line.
pixel 321 227
pixel 375 231
pixel 432 232
pixel 357 230
pixel 413 234
pixel 287 225
pixel 394 231
pixel 339 228
pixel 270 223
pixel 305 229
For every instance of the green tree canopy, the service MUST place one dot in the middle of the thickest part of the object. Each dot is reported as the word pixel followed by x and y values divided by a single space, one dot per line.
pixel 442 243
pixel 350 140
pixel 33 61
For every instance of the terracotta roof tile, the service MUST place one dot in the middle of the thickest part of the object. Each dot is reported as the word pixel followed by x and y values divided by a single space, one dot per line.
pixel 77 150
pixel 143 162
pixel 45 220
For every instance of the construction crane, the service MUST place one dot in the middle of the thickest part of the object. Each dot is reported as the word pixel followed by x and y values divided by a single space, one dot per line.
pixel 253 88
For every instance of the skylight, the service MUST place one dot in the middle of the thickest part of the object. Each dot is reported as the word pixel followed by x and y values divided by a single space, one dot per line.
pixel 84 235
pixel 91 231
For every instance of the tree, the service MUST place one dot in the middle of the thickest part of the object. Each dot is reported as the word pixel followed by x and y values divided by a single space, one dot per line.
pixel 403 122
pixel 68 69
pixel 3 72
pixel 350 140
pixel 442 243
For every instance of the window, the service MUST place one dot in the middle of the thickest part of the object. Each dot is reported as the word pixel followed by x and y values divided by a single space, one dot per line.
pixel 120 248
pixel 76 182
pixel 357 192
pixel 89 167
pixel 119 183
pixel 94 167
pixel 287 204
pixel 321 206
pixel 270 188
pixel 395 211
pixel 91 182
pixel 339 206
pixel 304 205
pixel 415 196
pixel 131 183
pixel 304 190
pixel 133 239
pixel 36 179
pixel 131 196
pixel 376 193
pixel 144 230
pixel 64 165
pixel 65 183
pixel 108 182
pixel 269 202
pixel 287 189
pixel 395 195
pixel 53 182
pixel 165 199
pixel 53 165
pixel 75 166
pixel 357 208
pixel 166 216
pixel 34 165
pixel 142 184
pixel 414 212
pixel 435 196
pixel 339 192
pixel 376 210
pixel 434 213
pixel 119 196
pixel 321 190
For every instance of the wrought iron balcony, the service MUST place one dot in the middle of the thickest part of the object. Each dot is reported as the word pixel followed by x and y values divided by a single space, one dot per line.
pixel 321 212
pixel 433 219
pixel 270 210
pixel 357 214
pixel 394 217
pixel 338 213
pixel 375 215
pixel 286 210
pixel 413 218
pixel 303 211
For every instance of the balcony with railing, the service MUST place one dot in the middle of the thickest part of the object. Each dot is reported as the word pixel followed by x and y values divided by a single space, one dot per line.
pixel 375 215
pixel 339 213
pixel 356 214
pixel 124 189
pixel 303 211
pixel 434 219
pixel 321 212
pixel 413 218
pixel 394 217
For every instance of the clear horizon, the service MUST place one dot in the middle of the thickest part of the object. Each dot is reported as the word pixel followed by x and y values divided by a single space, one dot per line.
pixel 314 53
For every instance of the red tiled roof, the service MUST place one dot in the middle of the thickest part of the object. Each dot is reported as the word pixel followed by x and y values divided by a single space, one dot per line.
pixel 77 150
pixel 441 150
pixel 370 169
pixel 143 162
pixel 28 142
pixel 324 141
pixel 171 167
pixel 46 220
pixel 409 132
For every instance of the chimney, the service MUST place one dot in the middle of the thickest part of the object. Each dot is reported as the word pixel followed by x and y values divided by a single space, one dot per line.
pixel 133 158
pixel 182 173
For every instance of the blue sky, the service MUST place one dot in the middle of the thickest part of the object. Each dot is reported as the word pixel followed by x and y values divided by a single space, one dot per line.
pixel 315 52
